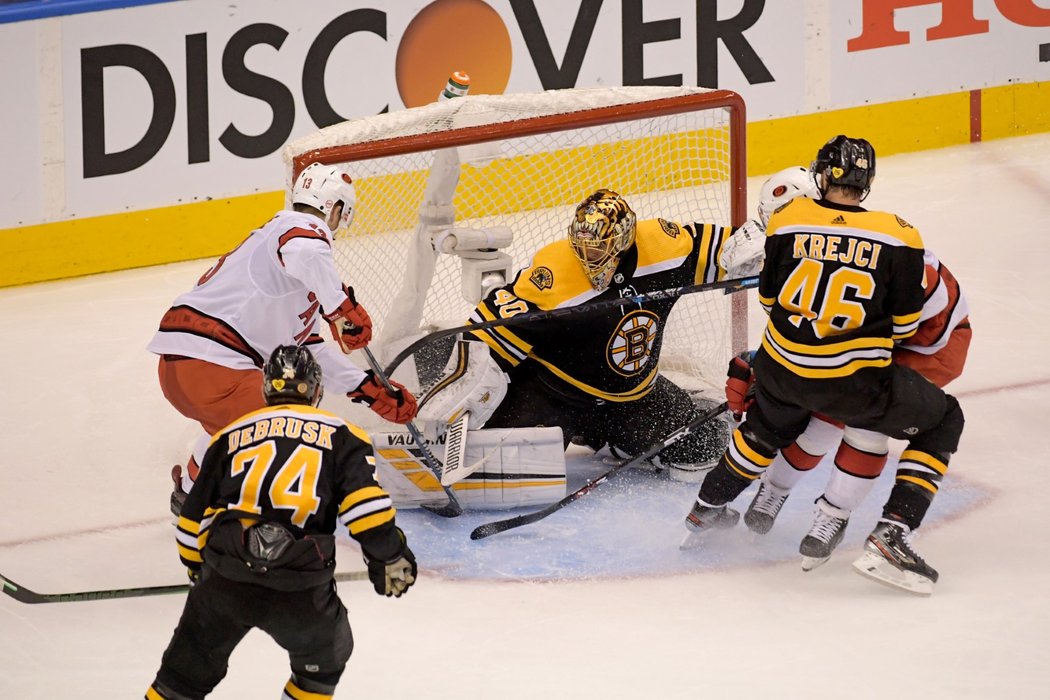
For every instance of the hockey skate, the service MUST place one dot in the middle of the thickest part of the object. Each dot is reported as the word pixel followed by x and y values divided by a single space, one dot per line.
pixel 178 495
pixel 702 519
pixel 765 506
pixel 824 535
pixel 889 559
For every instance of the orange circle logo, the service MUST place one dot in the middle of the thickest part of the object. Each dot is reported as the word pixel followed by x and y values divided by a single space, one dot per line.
pixel 448 36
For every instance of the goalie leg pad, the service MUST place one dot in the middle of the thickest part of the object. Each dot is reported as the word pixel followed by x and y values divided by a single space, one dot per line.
pixel 472 382
pixel 519 467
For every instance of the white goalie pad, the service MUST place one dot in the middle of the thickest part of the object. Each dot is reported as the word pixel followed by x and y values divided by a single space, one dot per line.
pixel 518 467
pixel 472 382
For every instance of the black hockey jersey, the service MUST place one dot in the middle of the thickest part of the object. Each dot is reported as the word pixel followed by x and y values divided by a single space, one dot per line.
pixel 298 466
pixel 611 353
pixel 841 285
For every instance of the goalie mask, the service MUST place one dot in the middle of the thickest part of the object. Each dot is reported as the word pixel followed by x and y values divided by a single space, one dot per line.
pixel 782 187
pixel 845 162
pixel 323 187
pixel 292 375
pixel 602 229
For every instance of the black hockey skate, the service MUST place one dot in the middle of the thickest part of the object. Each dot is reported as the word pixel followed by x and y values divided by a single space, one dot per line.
pixel 889 559
pixel 178 495
pixel 702 519
pixel 765 507
pixel 824 535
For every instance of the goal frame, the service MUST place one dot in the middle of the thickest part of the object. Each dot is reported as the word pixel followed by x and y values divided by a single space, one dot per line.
pixel 728 100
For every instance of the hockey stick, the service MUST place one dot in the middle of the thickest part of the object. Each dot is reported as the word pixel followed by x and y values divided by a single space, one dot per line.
pixel 24 595
pixel 656 295
pixel 453 508
pixel 499 526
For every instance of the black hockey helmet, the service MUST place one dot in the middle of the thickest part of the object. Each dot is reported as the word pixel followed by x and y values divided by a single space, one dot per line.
pixel 845 162
pixel 292 375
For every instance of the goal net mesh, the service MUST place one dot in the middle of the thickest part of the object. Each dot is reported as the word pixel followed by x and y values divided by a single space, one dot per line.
pixel 522 162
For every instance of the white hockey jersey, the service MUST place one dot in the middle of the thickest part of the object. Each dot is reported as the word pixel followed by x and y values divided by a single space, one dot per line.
pixel 270 290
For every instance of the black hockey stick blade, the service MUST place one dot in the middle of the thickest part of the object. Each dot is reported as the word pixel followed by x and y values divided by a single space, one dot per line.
pixel 451 509
pixel 24 595
pixel 498 526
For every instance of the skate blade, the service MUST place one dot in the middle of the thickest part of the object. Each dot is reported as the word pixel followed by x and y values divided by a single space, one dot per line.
pixel 810 563
pixel 882 571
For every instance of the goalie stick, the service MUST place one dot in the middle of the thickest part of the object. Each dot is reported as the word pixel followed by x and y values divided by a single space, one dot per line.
pixel 453 508
pixel 24 595
pixel 656 295
pixel 499 526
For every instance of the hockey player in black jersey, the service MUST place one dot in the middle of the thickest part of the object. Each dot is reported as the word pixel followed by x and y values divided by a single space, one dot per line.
pixel 596 375
pixel 842 286
pixel 257 536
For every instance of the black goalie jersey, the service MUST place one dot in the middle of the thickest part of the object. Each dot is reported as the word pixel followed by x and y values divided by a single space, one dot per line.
pixel 841 285
pixel 611 353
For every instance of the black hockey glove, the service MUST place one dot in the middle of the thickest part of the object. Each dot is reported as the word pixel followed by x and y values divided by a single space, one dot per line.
pixel 394 577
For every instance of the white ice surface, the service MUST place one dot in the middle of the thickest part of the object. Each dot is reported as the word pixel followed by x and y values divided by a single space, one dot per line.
pixel 84 487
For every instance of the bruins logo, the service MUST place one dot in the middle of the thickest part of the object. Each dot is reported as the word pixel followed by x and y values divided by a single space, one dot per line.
pixel 542 277
pixel 902 222
pixel 670 228
pixel 631 345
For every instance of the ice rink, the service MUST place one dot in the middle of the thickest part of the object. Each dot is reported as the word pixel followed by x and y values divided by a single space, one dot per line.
pixel 595 601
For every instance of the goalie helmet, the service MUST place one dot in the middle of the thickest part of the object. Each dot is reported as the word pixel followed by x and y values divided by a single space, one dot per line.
pixel 602 228
pixel 845 162
pixel 323 187
pixel 782 187
pixel 292 375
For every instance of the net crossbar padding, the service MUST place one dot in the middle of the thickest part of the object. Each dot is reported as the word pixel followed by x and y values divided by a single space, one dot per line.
pixel 524 161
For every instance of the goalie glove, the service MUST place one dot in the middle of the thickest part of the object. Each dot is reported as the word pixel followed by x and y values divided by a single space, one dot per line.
pixel 744 251
pixel 739 383
pixel 350 324
pixel 394 577
pixel 397 407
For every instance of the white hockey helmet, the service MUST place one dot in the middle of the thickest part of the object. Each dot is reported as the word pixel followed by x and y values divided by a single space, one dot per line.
pixel 322 187
pixel 784 186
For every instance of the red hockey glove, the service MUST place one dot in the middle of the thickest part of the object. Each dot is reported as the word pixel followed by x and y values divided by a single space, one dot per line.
pixel 738 386
pixel 399 407
pixel 350 323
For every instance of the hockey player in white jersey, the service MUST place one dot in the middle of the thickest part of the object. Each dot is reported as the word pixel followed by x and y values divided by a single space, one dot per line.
pixel 280 286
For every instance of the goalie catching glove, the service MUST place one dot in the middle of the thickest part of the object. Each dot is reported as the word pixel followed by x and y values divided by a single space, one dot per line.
pixel 350 324
pixel 396 407
pixel 394 577
pixel 739 383
pixel 744 252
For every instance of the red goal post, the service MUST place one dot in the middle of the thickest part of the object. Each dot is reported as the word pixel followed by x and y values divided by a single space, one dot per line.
pixel 486 180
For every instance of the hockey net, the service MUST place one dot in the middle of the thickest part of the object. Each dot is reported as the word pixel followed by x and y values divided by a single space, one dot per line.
pixel 503 174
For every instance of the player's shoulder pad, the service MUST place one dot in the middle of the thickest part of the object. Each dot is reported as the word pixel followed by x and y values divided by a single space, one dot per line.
pixel 659 240
pixel 554 276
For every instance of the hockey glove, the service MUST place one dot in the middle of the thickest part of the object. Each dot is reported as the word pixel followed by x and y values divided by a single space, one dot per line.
pixel 743 252
pixel 194 575
pixel 399 407
pixel 738 386
pixel 393 578
pixel 350 323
